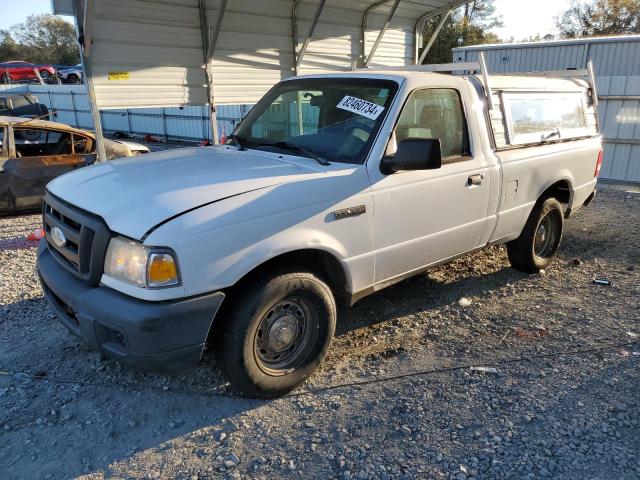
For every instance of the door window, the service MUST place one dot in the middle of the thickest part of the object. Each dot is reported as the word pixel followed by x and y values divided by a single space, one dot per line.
pixel 35 142
pixel 81 144
pixel 436 113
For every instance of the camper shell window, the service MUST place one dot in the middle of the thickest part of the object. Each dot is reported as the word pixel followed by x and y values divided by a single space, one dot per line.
pixel 534 118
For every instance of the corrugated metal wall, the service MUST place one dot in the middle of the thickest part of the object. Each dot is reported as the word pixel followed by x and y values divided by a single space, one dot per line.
pixel 148 53
pixel 190 123
pixel 617 65
pixel 156 44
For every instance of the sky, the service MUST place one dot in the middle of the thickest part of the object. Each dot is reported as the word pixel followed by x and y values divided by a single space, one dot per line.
pixel 15 11
pixel 525 18
pixel 522 18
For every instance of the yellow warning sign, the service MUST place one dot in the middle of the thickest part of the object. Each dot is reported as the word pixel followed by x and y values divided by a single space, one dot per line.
pixel 118 76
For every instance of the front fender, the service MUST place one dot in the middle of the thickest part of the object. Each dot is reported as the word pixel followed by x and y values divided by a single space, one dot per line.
pixel 219 244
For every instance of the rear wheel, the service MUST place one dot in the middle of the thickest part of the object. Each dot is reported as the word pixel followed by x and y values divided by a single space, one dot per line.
pixel 276 334
pixel 44 74
pixel 5 78
pixel 73 79
pixel 538 244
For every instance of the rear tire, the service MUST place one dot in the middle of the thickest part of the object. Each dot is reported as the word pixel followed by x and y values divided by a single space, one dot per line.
pixel 538 244
pixel 5 79
pixel 73 79
pixel 276 333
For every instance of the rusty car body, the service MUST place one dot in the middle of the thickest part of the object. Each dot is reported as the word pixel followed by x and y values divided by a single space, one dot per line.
pixel 34 152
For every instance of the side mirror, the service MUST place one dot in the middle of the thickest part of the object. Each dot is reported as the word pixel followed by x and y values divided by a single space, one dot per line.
pixel 414 154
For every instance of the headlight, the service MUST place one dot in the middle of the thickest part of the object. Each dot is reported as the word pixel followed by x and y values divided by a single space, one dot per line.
pixel 143 266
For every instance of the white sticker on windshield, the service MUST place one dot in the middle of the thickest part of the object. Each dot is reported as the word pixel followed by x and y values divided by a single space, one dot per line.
pixel 361 107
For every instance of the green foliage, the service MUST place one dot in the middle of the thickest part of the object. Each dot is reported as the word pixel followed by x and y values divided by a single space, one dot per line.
pixel 468 25
pixel 600 17
pixel 40 39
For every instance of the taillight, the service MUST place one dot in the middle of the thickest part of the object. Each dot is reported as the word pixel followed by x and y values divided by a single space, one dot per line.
pixel 598 165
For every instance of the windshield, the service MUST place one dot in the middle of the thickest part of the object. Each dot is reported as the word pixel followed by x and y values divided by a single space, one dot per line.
pixel 332 119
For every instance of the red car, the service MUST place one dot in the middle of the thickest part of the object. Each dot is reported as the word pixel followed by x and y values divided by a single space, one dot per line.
pixel 17 70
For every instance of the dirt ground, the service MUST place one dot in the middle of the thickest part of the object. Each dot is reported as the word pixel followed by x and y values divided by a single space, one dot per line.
pixel 396 398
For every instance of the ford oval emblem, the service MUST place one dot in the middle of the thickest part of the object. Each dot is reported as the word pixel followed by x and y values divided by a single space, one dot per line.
pixel 58 237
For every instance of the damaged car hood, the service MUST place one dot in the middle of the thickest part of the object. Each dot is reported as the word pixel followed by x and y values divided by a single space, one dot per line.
pixel 134 195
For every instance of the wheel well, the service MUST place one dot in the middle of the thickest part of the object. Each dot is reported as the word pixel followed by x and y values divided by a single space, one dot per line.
pixel 560 190
pixel 323 264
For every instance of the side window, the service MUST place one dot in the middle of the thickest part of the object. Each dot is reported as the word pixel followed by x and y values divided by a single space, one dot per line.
pixel 436 113
pixel 81 144
pixel 34 142
pixel 535 118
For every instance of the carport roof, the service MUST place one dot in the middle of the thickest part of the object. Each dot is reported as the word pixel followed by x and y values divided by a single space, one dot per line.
pixel 171 53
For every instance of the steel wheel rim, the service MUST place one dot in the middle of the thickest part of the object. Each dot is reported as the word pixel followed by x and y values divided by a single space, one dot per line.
pixel 285 337
pixel 545 237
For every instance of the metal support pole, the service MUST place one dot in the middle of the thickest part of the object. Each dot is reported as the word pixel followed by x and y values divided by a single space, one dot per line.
pixel 392 12
pixel 433 38
pixel 75 112
pixel 363 30
pixel 487 82
pixel 312 30
pixel 294 36
pixel 208 47
pixel 129 128
pixel 85 50
pixel 216 32
pixel 164 125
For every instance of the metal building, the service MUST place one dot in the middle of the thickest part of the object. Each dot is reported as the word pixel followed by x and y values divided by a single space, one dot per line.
pixel 173 53
pixel 617 66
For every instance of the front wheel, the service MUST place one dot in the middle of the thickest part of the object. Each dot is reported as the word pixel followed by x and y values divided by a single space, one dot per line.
pixel 538 244
pixel 276 334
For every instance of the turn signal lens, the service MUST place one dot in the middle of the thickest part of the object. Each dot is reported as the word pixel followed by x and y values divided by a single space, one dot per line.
pixel 161 270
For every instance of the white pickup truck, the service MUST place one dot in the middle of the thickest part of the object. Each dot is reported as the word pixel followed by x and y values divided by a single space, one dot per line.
pixel 333 187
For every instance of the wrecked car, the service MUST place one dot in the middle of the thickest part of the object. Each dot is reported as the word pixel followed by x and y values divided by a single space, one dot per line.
pixel 34 152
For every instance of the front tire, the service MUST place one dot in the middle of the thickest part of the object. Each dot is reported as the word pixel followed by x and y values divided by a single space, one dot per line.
pixel 538 244
pixel 276 334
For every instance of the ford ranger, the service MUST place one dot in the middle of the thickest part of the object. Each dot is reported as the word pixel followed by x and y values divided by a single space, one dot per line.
pixel 333 187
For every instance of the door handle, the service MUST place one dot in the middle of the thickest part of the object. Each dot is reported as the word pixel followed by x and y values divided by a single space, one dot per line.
pixel 475 180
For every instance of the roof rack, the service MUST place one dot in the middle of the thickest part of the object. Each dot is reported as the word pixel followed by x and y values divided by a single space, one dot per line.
pixel 480 67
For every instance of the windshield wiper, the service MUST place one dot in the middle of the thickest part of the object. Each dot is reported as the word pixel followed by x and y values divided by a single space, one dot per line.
pixel 296 148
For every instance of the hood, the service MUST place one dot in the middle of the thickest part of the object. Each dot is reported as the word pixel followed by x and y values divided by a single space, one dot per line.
pixel 133 195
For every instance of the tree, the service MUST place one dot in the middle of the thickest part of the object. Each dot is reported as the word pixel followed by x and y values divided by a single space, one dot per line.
pixel 600 17
pixel 8 46
pixel 468 25
pixel 40 39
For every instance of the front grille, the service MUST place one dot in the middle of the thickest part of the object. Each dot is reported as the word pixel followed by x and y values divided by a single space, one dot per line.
pixel 87 238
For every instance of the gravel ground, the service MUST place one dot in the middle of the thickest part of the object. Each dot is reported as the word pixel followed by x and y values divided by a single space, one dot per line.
pixel 396 398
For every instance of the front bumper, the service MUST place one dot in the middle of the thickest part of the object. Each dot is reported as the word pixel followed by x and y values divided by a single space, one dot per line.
pixel 165 337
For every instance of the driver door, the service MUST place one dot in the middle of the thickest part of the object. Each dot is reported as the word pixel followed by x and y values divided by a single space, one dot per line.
pixel 41 156
pixel 427 216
